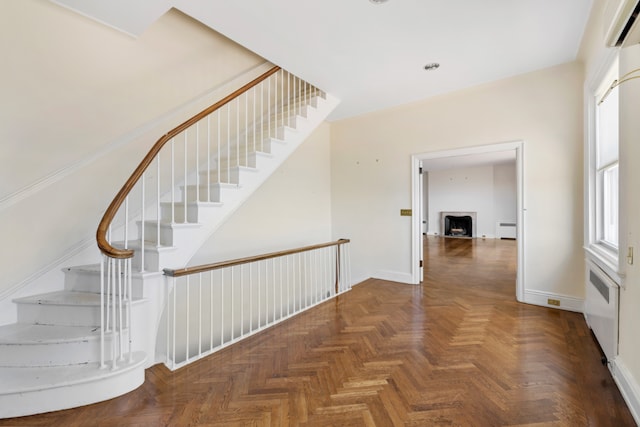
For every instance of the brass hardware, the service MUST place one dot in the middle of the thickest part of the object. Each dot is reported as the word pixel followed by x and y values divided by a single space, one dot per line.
pixel 555 302
pixel 630 255
pixel 405 212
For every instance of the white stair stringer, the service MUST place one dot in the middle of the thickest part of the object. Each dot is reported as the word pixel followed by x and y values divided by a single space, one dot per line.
pixel 34 390
pixel 50 358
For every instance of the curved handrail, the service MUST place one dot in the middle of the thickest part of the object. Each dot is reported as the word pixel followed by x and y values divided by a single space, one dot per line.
pixel 101 234
pixel 206 267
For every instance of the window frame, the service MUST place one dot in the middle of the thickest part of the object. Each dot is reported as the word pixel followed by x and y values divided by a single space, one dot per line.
pixel 604 252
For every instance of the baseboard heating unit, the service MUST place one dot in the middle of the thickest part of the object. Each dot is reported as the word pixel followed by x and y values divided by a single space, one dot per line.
pixel 506 230
pixel 601 308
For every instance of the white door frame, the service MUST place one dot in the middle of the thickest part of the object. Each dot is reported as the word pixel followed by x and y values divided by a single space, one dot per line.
pixel 417 195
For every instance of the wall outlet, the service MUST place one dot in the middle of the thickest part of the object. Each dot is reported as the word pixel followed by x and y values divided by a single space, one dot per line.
pixel 555 302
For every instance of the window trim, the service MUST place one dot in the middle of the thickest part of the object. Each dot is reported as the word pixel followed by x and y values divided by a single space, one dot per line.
pixel 602 252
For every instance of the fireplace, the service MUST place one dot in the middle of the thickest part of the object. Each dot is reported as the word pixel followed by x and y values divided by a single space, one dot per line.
pixel 458 224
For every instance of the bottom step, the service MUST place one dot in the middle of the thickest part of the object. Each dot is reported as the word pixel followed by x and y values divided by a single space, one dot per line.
pixel 29 391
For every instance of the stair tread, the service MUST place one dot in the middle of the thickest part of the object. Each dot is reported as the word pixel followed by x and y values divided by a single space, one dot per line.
pixel 25 333
pixel 72 298
pixel 25 379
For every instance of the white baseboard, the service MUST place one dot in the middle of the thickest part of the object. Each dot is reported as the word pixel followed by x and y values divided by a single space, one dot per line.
pixel 629 387
pixel 542 298
pixel 394 276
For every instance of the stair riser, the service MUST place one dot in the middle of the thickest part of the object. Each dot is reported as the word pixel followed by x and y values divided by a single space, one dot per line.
pixel 57 353
pixel 89 281
pixel 217 193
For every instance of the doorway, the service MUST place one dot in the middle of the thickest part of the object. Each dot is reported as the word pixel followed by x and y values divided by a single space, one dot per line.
pixel 418 202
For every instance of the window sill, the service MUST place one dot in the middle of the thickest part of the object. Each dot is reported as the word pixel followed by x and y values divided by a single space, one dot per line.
pixel 607 260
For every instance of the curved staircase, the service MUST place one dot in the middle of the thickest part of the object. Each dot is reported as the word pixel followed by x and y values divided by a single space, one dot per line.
pixel 61 353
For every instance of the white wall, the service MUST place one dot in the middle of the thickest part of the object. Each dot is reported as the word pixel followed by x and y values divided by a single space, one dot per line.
pixel 82 104
pixel 291 209
pixel 371 165
pixel 463 190
pixel 505 192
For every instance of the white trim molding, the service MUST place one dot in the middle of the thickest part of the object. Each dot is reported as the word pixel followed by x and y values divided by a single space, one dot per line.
pixel 629 388
pixel 393 276
pixel 416 199
pixel 542 298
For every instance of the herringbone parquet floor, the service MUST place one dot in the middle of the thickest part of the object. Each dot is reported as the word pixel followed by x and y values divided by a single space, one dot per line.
pixel 457 351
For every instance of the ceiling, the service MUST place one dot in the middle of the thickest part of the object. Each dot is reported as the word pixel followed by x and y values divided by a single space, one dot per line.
pixel 372 56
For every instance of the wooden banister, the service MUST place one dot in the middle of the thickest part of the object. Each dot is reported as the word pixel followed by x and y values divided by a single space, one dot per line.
pixel 239 261
pixel 101 234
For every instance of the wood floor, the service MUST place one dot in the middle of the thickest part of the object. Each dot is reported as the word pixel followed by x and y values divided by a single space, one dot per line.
pixel 457 351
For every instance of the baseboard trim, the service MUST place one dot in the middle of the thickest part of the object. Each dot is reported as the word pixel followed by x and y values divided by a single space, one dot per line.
pixel 541 298
pixel 52 178
pixel 629 388
pixel 394 276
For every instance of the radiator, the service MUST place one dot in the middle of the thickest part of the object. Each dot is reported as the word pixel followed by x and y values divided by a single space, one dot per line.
pixel 601 309
pixel 505 230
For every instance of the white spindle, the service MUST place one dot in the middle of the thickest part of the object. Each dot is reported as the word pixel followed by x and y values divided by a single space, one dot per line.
pixel 300 307
pixel 158 213
pixel 173 182
pixel 113 314
pixel 102 314
pixel 126 222
pixel 186 169
pixel 175 315
pixel 238 131
pixel 281 284
pixel 209 158
pixel 188 318
pixel 228 142
pixel 282 95
pixel 232 324
pixel 218 162
pixel 222 305
pixel 241 300
pixel 273 285
pixel 259 299
pixel 269 106
pixel 262 117
pixel 250 298
pixel 211 310
pixel 275 102
pixel 254 121
pixel 197 162
pixel 120 329
pixel 142 227
pixel 200 313
pixel 246 129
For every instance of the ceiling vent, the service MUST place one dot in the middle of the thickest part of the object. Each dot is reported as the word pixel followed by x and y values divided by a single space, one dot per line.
pixel 623 24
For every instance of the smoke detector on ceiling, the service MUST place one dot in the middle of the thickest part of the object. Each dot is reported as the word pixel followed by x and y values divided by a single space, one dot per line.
pixel 378 1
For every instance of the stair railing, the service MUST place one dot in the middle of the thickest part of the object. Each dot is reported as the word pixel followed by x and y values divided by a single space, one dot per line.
pixel 199 155
pixel 209 307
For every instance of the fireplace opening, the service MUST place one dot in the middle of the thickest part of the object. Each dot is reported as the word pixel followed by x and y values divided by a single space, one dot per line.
pixel 458 226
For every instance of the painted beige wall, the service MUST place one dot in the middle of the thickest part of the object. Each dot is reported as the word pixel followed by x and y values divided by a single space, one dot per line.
pixel 371 182
pixel 76 92
pixel 291 209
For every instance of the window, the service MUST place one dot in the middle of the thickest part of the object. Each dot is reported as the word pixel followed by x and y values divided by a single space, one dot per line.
pixel 604 167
